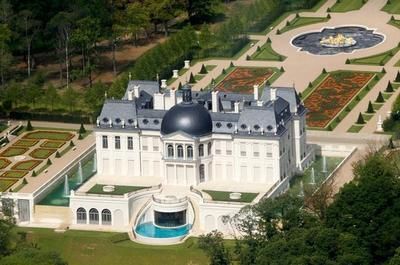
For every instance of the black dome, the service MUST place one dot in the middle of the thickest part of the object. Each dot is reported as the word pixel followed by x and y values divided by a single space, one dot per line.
pixel 191 118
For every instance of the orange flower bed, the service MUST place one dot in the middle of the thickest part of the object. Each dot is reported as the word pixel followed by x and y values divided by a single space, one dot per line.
pixel 332 95
pixel 242 79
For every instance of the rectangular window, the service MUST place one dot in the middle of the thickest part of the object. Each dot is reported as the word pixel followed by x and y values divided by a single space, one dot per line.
pixel 105 142
pixel 117 142
pixel 242 149
pixel 268 150
pixel 144 144
pixel 155 144
pixel 218 147
pixel 228 148
pixel 256 150
pixel 130 143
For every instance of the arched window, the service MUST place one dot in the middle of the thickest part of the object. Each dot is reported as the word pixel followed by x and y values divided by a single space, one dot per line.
pixel 209 148
pixel 179 151
pixel 81 216
pixel 201 150
pixel 106 217
pixel 93 217
pixel 170 151
pixel 189 152
pixel 202 173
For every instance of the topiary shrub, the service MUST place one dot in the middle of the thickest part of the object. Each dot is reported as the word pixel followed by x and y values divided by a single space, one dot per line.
pixel 49 162
pixel 278 32
pixel 328 16
pixel 360 119
pixel 380 98
pixel 80 137
pixel 34 174
pixel 24 181
pixel 82 129
pixel 370 108
pixel 324 71
pixel 389 87
pixel 348 61
pixel 191 79
pixel 258 48
pixel 248 58
pixel 282 69
pixel 179 86
pixel 58 155
pixel 71 144
pixel 397 79
pixel 231 64
pixel 203 70
pixel 29 126
pixel 310 85
pixel 268 40
pixel 383 71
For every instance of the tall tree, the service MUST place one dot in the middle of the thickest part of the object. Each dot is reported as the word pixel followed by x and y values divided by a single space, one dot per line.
pixel 200 11
pixel 137 19
pixel 5 54
pixel 162 11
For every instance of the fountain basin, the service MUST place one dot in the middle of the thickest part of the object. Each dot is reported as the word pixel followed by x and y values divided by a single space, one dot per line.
pixel 152 234
pixel 235 196
pixel 109 188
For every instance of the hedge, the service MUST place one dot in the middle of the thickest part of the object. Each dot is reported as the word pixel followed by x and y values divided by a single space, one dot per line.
pixel 40 116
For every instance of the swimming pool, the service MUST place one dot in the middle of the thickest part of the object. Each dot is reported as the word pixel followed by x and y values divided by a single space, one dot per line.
pixel 150 230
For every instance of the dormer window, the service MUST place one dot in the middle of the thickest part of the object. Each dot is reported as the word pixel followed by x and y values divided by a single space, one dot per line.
pixel 256 127
pixel 117 120
pixel 229 125
pixel 105 120
pixel 243 126
pixel 218 124
pixel 156 121
pixel 130 121
pixel 269 128
pixel 145 121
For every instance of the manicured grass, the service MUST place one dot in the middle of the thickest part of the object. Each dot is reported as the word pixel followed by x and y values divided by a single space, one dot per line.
pixel 14 174
pixel 85 247
pixel 5 184
pixel 198 77
pixel 377 106
pixel 393 7
pixel 2 127
pixel 49 135
pixel 119 190
pixel 42 153
pixel 303 21
pixel 26 165
pixel 13 151
pixel 347 5
pixel 266 53
pixel 52 144
pixel 25 143
pixel 355 128
pixel 224 196
pixel 395 22
pixel 210 67
pixel 377 59
pixel 4 162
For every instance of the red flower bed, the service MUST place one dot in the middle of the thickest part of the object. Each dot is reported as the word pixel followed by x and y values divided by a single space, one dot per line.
pixel 242 79
pixel 332 95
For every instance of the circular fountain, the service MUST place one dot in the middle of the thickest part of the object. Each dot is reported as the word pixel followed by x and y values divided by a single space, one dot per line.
pixel 331 41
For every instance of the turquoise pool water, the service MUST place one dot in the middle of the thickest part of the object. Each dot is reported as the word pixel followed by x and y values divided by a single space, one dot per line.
pixel 150 230
pixel 57 196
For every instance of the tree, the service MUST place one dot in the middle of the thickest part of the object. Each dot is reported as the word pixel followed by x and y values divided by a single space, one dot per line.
pixel 5 55
pixel 70 97
pixel 360 119
pixel 162 11
pixel 51 96
pixel 137 19
pixel 32 256
pixel 82 129
pixel 29 126
pixel 370 108
pixel 94 96
pixel 200 11
pixel 213 245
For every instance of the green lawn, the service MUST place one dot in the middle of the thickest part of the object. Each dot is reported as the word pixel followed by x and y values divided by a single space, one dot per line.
pixel 52 144
pixel 303 21
pixel 198 77
pixel 210 67
pixel 2 127
pixel 26 143
pixel 42 153
pixel 4 162
pixel 14 174
pixel 49 135
pixel 395 22
pixel 224 196
pixel 393 7
pixel 97 248
pixel 355 128
pixel 13 151
pixel 347 5
pixel 26 165
pixel 266 53
pixel 377 59
pixel 119 190
pixel 5 184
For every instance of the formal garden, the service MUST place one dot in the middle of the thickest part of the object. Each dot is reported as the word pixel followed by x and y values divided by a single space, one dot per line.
pixel 376 59
pixel 300 21
pixel 31 154
pixel 266 53
pixel 225 196
pixel 242 79
pixel 334 95
pixel 347 5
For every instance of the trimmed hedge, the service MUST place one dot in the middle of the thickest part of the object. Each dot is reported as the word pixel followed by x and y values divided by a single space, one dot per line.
pixel 40 116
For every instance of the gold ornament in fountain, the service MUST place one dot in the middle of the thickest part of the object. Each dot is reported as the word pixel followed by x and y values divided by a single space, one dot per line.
pixel 338 41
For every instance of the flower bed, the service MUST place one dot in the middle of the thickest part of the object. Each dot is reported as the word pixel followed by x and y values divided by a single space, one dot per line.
pixel 26 165
pixel 50 135
pixel 15 174
pixel 42 153
pixel 242 79
pixel 13 151
pixel 25 143
pixel 332 95
pixel 52 144
pixel 4 162
pixel 5 184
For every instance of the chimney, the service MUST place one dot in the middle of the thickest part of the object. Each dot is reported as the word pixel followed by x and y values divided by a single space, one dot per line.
pixel 237 106
pixel 130 94
pixel 215 101
pixel 273 93
pixel 136 90
pixel 255 92
pixel 173 96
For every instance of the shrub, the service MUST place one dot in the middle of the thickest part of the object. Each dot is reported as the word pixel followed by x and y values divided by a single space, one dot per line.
pixel 282 69
pixel 389 87
pixel 80 136
pixel 300 95
pixel 358 98
pixel 24 181
pixel 347 109
pixel 191 79
pixel 248 58
pixel 348 61
pixel 278 32
pixel 397 79
pixel 58 155
pixel 328 10
pixel 297 15
pixel 360 119
pixel 324 71
pixel 383 71
pixel 82 129
pixel 328 16
pixel 287 23
pixel 391 144
pixel 34 174
pixel 258 48
pixel 380 98
pixel 179 86
pixel 29 126
pixel 310 85
pixel 223 71
pixel 203 69
pixel 268 40
pixel 231 64
pixel 370 108
pixel 71 144
pixel 49 162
